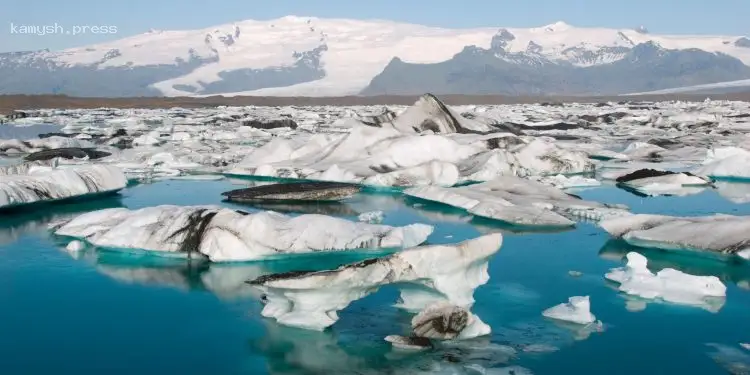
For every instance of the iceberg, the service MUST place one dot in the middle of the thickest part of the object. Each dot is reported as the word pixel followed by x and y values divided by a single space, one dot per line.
pixel 720 234
pixel 439 273
pixel 651 182
pixel 40 183
pixel 428 144
pixel 304 191
pixel 224 235
pixel 519 201
pixel 576 310
pixel 669 285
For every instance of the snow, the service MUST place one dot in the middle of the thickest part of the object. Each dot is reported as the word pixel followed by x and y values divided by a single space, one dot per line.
pixel 668 284
pixel 41 183
pixel 576 310
pixel 438 273
pixel 224 235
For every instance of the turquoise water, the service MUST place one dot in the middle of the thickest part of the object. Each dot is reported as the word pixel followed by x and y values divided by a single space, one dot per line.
pixel 108 313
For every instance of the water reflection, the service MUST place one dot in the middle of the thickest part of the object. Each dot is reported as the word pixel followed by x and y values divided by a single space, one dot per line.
pixel 294 351
pixel 20 222
pixel 734 192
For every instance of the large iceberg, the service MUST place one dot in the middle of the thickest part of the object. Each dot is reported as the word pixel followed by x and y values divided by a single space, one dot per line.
pixel 426 275
pixel 722 234
pixel 519 201
pixel 428 144
pixel 222 234
pixel 668 284
pixel 39 183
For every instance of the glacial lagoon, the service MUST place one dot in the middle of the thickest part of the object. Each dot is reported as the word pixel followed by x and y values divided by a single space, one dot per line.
pixel 104 312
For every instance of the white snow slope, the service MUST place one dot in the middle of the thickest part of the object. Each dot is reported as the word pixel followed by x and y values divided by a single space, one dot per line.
pixel 357 50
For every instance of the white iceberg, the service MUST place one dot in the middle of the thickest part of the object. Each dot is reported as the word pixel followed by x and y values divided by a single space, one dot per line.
pixel 721 234
pixel 428 144
pixel 652 182
pixel 41 183
pixel 519 201
pixel 439 273
pixel 223 234
pixel 576 310
pixel 669 285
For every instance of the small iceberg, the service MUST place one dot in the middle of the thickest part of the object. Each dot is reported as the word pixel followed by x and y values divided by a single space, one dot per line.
pixel 576 310
pixel 38 183
pixel 224 235
pixel 445 321
pixel 651 182
pixel 669 285
pixel 721 234
pixel 439 273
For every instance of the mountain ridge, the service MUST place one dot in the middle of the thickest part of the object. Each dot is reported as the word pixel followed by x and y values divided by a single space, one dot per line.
pixel 309 56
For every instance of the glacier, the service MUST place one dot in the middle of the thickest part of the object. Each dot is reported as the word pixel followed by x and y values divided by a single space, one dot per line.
pixel 225 235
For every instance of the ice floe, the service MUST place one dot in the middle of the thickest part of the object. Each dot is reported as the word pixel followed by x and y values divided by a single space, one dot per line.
pixel 320 191
pixel 520 202
pixel 669 285
pixel 222 234
pixel 576 310
pixel 438 273
pixel 39 183
pixel 722 234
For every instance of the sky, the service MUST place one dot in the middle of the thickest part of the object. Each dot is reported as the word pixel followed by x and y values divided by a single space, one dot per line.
pixel 121 18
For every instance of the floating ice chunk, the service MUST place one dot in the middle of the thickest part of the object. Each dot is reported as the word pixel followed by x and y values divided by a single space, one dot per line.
pixel 305 191
pixel 563 182
pixel 430 114
pixel 409 343
pixel 735 166
pixel 655 182
pixel 519 201
pixel 48 184
pixel 723 234
pixel 373 217
pixel 448 273
pixel 745 346
pixel 443 321
pixel 226 235
pixel 668 284
pixel 576 310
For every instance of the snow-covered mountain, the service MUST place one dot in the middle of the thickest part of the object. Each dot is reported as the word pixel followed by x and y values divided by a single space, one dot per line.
pixel 308 56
